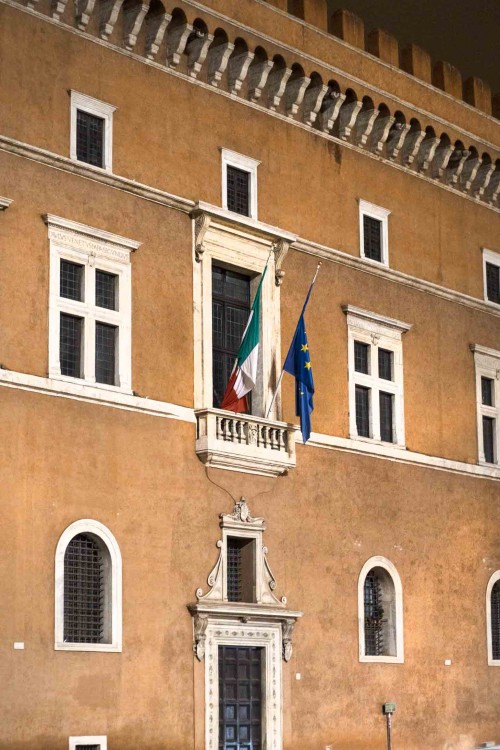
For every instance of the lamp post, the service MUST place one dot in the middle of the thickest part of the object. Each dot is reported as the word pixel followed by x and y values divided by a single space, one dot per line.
pixel 388 709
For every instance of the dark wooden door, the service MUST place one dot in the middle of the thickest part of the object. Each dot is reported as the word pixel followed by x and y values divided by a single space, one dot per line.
pixel 240 698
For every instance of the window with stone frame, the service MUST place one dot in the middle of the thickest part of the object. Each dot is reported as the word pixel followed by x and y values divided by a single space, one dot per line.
pixel 374 232
pixel 239 183
pixel 487 366
pixel 91 133
pixel 380 603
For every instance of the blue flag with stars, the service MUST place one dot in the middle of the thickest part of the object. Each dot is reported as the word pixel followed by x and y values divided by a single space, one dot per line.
pixel 298 364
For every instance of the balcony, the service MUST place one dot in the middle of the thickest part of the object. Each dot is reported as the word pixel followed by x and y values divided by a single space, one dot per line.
pixel 242 442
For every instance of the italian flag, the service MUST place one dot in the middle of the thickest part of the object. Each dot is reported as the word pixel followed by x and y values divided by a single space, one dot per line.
pixel 244 374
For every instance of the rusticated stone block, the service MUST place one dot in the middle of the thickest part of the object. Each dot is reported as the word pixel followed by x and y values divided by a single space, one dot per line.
pixel 383 45
pixel 349 27
pixel 478 93
pixel 316 13
pixel 416 61
pixel 448 78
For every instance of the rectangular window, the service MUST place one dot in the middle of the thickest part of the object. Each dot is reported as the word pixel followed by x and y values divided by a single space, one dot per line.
pixel 88 743
pixel 493 283
pixel 375 363
pixel 386 428
pixel 89 138
pixel 487 391
pixel 70 345
pixel 489 439
pixel 361 357
pixel 373 232
pixel 89 304
pixel 372 236
pixel 240 697
pixel 363 411
pixel 91 135
pixel 238 192
pixel 230 311
pixel 240 569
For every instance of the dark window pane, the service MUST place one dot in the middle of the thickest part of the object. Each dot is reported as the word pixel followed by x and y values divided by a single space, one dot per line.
pixel 105 289
pixel 240 570
pixel 234 570
pixel 374 641
pixel 105 344
pixel 372 235
pixel 240 697
pixel 70 280
pixel 361 352
pixel 385 359
pixel 493 282
pixel 230 311
pixel 89 138
pixel 489 439
pixel 487 391
pixel 70 345
pixel 495 620
pixel 238 191
pixel 88 747
pixel 386 402
pixel 363 411
pixel 83 591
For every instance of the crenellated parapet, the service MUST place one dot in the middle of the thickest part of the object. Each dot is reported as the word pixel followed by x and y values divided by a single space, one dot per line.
pixel 249 66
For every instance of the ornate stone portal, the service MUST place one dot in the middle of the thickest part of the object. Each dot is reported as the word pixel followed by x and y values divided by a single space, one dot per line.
pixel 214 607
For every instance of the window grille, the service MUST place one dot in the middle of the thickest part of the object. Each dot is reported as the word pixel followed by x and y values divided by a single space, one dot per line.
pixel 495 620
pixel 374 613
pixel 363 411
pixel 230 311
pixel 105 344
pixel 386 417
pixel 83 591
pixel 89 138
pixel 493 282
pixel 372 237
pixel 361 352
pixel 385 364
pixel 105 289
pixel 70 280
pixel 489 439
pixel 238 190
pixel 487 391
pixel 70 345
pixel 234 571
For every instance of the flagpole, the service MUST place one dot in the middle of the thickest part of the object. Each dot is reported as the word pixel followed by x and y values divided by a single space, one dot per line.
pixel 301 314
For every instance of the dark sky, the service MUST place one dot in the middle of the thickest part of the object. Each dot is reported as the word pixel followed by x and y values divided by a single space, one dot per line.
pixel 466 33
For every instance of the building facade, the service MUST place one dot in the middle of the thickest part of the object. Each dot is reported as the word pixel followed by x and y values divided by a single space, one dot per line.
pixel 177 576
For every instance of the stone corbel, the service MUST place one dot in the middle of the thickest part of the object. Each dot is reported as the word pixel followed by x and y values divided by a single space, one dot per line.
pixel 238 70
pixel 330 109
pixel 278 79
pixel 217 59
pixel 294 94
pixel 380 132
pixel 155 31
pixel 57 8
pixel 396 139
pixel 201 225
pixel 257 78
pixel 5 203
pixel 313 99
pixel 177 38
pixel 347 118
pixel 134 18
pixel 200 623
pixel 84 9
pixel 109 11
pixel 287 627
pixel 280 249
pixel 197 50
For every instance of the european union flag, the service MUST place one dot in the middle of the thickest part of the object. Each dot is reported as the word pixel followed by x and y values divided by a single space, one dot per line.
pixel 298 364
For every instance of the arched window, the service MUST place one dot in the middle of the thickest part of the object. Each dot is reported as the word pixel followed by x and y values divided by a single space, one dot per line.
pixel 88 589
pixel 380 612
pixel 493 619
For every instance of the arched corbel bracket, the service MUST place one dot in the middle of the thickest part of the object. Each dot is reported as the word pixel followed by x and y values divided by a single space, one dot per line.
pixel 200 623
pixel 280 249
pixel 201 225
pixel 287 627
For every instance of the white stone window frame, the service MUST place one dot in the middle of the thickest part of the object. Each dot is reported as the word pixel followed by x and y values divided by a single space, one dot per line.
pixel 265 635
pixel 382 215
pixel 489 256
pixel 487 365
pixel 93 249
pixel 377 331
pixel 244 246
pixel 489 640
pixel 100 740
pixel 382 562
pixel 114 605
pixel 105 111
pixel 247 164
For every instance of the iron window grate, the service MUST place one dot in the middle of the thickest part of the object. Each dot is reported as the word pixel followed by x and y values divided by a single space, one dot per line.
pixel 386 417
pixel 89 138
pixel 489 439
pixel 372 238
pixel 385 360
pixel 361 352
pixel 105 289
pixel 87 747
pixel 495 620
pixel 493 282
pixel 71 280
pixel 83 591
pixel 105 344
pixel 363 411
pixel 234 571
pixel 374 613
pixel 70 345
pixel 238 190
pixel 487 391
